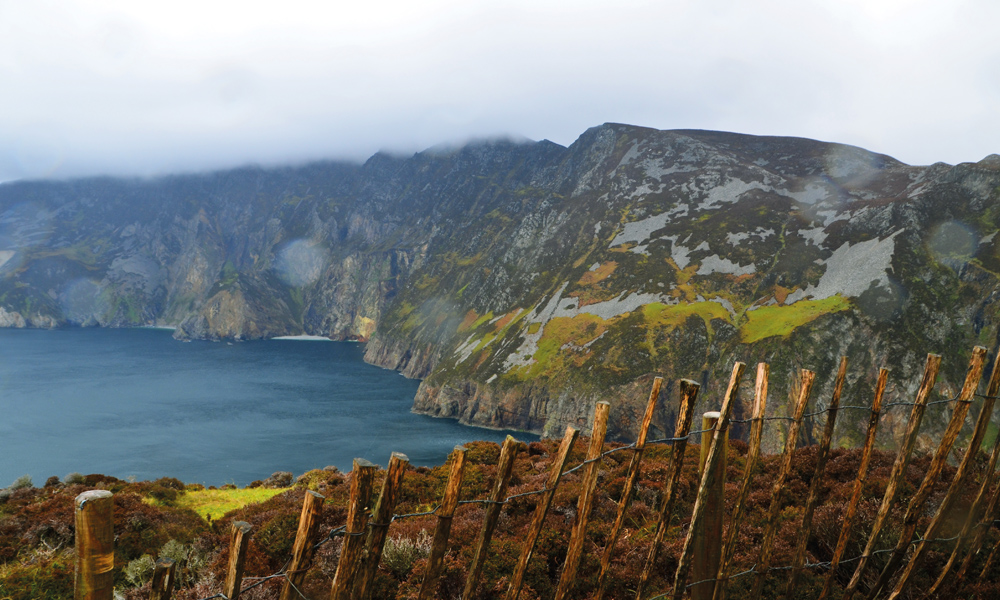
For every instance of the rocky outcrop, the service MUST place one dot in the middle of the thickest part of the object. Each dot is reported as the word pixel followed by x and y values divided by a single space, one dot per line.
pixel 524 281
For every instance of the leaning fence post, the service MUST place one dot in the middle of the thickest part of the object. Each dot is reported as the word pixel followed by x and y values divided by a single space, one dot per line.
pixel 95 546
pixel 381 519
pixel 239 540
pixel 541 509
pixel 362 478
pixel 626 498
pixel 915 509
pixel 987 517
pixel 753 455
pixel 982 424
pixel 302 551
pixel 706 552
pixel 162 585
pixel 685 412
pixel 586 501
pixel 898 469
pixel 859 482
pixel 824 452
pixel 505 467
pixel 701 501
pixel 445 512
pixel 764 564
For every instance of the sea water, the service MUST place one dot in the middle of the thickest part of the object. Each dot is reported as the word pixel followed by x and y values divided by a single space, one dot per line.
pixel 135 403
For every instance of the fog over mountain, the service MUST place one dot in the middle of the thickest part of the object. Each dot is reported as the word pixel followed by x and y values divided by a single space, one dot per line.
pixel 126 88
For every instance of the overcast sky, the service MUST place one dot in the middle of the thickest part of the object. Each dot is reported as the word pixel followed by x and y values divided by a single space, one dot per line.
pixel 143 88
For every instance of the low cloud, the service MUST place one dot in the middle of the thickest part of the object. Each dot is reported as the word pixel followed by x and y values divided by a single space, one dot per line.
pixel 130 88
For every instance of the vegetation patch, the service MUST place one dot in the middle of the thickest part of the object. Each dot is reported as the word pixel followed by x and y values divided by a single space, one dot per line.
pixel 599 274
pixel 563 344
pixel 775 320
pixel 212 504
pixel 659 315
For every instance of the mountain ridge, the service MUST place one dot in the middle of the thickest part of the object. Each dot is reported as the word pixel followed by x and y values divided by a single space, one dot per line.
pixel 523 280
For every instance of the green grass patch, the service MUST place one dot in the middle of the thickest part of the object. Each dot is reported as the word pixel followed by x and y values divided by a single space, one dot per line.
pixel 212 504
pixel 769 321
pixel 658 314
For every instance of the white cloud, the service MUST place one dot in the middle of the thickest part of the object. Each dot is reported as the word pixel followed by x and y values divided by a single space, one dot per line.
pixel 149 87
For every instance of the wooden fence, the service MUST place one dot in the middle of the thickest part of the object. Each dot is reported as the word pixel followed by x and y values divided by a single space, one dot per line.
pixel 704 567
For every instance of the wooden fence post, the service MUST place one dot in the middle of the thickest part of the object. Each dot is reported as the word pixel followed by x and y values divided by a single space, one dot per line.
pixel 916 506
pixel 630 479
pixel 589 484
pixel 898 467
pixel 162 585
pixel 753 456
pixel 238 542
pixel 985 524
pixel 859 482
pixel 95 546
pixel 715 455
pixel 824 452
pixel 445 512
pixel 494 505
pixel 544 500
pixel 685 412
pixel 362 478
pixel 302 551
pixel 988 403
pixel 706 552
pixel 381 519
pixel 764 563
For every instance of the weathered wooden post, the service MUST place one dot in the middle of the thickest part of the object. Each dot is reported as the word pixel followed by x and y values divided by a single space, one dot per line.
pixel 799 560
pixel 626 497
pixel 859 482
pixel 586 502
pixel 362 478
pixel 701 501
pixel 239 541
pixel 706 551
pixel 685 413
pixel 302 551
pixel 915 509
pixel 445 513
pixel 989 400
pixel 544 501
pixel 505 467
pixel 753 455
pixel 898 469
pixel 95 546
pixel 162 585
pixel 763 565
pixel 381 519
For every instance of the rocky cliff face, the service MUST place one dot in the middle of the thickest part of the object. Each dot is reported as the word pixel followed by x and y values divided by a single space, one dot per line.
pixel 523 281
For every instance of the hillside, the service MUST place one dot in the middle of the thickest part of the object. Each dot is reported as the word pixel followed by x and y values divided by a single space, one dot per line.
pixel 151 518
pixel 522 281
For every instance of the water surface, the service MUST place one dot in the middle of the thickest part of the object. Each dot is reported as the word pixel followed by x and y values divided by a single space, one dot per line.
pixel 137 403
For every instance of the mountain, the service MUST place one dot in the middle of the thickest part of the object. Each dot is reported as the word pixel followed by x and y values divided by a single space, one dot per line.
pixel 522 281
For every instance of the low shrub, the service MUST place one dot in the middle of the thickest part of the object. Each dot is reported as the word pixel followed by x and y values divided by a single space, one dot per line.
pixel 22 482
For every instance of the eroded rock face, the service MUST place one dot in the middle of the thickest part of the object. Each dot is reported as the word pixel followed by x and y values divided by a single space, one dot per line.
pixel 525 281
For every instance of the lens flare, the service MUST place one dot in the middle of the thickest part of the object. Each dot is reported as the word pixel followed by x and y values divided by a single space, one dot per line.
pixel 952 243
pixel 300 263
pixel 852 167
pixel 83 302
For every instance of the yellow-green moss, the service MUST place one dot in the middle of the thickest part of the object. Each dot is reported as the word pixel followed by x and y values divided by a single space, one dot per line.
pixel 212 504
pixel 769 321
pixel 551 358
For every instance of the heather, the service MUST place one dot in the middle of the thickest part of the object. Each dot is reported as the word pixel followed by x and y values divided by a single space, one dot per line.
pixel 154 519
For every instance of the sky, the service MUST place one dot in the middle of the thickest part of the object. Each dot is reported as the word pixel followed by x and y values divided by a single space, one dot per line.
pixel 146 88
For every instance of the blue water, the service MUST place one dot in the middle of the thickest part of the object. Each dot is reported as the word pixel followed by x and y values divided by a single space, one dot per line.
pixel 137 403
